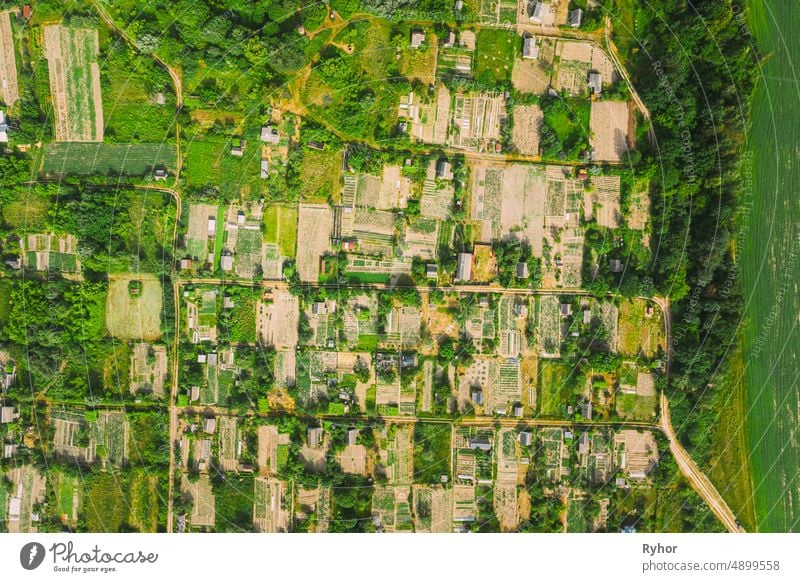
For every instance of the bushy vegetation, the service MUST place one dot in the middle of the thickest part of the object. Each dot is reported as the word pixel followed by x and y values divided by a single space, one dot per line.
pixel 695 90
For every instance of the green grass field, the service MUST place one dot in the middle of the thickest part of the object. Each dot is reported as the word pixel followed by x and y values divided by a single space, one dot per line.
pixel 202 163
pixel 495 51
pixel 280 222
pixel 319 172
pixel 432 452
pixel 553 390
pixel 85 159
pixel 769 271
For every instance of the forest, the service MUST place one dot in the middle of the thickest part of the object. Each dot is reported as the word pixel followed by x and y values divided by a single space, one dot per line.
pixel 694 84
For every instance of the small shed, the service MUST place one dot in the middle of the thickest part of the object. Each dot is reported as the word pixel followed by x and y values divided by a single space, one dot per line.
pixel 595 83
pixel 417 38
pixel 575 18
pixel 530 50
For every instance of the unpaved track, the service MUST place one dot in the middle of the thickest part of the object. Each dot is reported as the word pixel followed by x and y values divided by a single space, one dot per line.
pixel 696 477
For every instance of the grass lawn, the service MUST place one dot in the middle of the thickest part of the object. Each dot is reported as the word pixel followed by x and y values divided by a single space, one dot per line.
pixel 568 119
pixel 280 227
pixel 234 503
pixel 368 277
pixel 432 452
pixel 202 163
pixel 553 390
pixel 319 174
pixel 495 53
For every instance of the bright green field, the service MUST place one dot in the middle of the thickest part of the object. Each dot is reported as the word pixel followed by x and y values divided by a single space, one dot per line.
pixel 495 51
pixel 770 269
pixel 136 159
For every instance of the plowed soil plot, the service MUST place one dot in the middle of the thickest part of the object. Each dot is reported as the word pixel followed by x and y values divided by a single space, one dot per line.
pixel 132 314
pixel 74 82
pixel 9 91
pixel 609 130
pixel 315 225
pixel 527 119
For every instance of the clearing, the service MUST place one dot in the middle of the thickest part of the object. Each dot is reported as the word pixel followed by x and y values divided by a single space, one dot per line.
pixel 316 223
pixel 608 128
pixel 527 119
pixel 132 314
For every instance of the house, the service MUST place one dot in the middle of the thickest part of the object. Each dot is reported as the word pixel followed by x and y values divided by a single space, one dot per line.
pixel 530 50
pixel 185 264
pixel 408 361
pixel 451 39
pixel 7 376
pixel 270 135
pixel 587 317
pixel 565 309
pixel 537 13
pixel 237 147
pixel 202 358
pixel 227 302
pixel 567 435
pixel 522 270
pixel 27 11
pixel 226 261
pixel 483 302
pixel 648 311
pixel 595 83
pixel 575 18
pixel 477 396
pixel 417 38
pixel 444 170
pixel 586 410
pixel 520 310
pixel 7 414
pixel 194 393
pixel 3 127
pixel 264 169
pixel 316 145
pixel 459 5
pixel 525 438
pixel 351 437
pixel 348 245
pixel 480 443
pixel 518 411
pixel 314 436
pixel 319 308
pixel 160 174
pixel 9 450
pixel 210 425
pixel 616 266
pixel 583 444
pixel 212 226
pixel 432 271
pixel 464 269
pixel 14 263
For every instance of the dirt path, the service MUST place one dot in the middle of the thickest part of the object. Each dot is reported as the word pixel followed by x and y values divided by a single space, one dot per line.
pixel 611 49
pixel 696 477
pixel 176 79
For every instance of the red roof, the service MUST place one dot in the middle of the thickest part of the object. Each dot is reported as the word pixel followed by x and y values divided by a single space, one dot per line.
pixel 26 11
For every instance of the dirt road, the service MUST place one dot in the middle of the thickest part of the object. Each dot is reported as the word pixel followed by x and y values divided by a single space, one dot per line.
pixel 176 79
pixel 696 477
